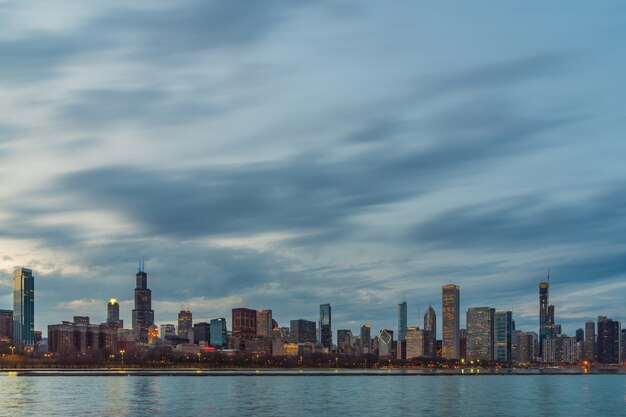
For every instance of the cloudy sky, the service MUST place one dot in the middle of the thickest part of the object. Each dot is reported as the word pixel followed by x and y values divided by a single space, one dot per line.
pixel 282 154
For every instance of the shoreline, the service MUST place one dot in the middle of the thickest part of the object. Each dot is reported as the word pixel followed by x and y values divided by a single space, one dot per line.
pixel 329 372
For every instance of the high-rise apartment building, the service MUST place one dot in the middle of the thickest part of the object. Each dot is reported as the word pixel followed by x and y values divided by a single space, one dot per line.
pixel 23 308
pixel 326 332
pixel 143 315
pixel 450 301
pixel 480 336
pixel 503 331
pixel 430 332
pixel 402 320
pixel 527 347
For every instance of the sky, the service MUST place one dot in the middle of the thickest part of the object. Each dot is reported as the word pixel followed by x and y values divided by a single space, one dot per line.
pixel 284 154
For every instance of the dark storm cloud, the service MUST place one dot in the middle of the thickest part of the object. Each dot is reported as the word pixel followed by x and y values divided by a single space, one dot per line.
pixel 527 221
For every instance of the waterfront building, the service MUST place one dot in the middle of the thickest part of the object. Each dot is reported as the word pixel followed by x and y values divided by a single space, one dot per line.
pixel 503 329
pixel 385 343
pixel 430 332
pixel 608 340
pixel 622 346
pixel 480 333
pixel 81 337
pixel 366 339
pixel 590 341
pixel 344 341
pixel 113 314
pixel 6 326
pixel 264 326
pixel 402 320
pixel 143 315
pixel 202 333
pixel 450 297
pixel 185 324
pixel 168 330
pixel 302 331
pixel 218 333
pixel 325 326
pixel 415 342
pixel 23 308
pixel 244 326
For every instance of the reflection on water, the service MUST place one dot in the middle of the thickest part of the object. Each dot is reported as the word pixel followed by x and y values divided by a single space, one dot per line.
pixel 564 395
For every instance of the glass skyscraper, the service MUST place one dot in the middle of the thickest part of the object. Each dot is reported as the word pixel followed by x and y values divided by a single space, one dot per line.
pixel 503 330
pixel 430 332
pixel 23 308
pixel 450 300
pixel 326 332
pixel 402 321
pixel 218 333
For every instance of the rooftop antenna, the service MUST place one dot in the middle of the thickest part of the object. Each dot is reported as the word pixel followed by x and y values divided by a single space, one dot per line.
pixel 548 275
pixel 142 266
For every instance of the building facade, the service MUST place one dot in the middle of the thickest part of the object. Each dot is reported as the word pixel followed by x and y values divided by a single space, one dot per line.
pixel 264 326
pixel 113 314
pixel 143 315
pixel 385 344
pixel 23 308
pixel 503 332
pixel 450 302
pixel 302 331
pixel 6 326
pixel 480 337
pixel 218 333
pixel 366 339
pixel 402 320
pixel 185 324
pixel 202 333
pixel 430 332
pixel 608 341
pixel 326 332
pixel 415 343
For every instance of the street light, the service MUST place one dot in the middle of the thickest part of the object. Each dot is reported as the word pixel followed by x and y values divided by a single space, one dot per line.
pixel 12 350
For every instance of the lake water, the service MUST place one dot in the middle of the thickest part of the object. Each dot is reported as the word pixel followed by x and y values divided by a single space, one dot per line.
pixel 545 395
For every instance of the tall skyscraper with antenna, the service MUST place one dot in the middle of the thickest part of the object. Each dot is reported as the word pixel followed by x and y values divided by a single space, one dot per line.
pixel 143 315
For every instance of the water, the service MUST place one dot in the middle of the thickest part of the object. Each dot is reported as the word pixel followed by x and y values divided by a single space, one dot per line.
pixel 547 395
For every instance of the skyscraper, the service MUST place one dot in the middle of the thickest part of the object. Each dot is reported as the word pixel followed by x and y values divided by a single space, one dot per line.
pixel 143 315
pixel 326 333
pixel 23 308
pixel 480 337
pixel 385 343
pixel 590 341
pixel 244 326
pixel 414 342
pixel 202 333
pixel 167 330
pixel 402 321
pixel 503 330
pixel 545 314
pixel 264 326
pixel 608 340
pixel 366 339
pixel 451 321
pixel 218 333
pixel 113 314
pixel 430 332
pixel 302 331
pixel 344 341
pixel 185 324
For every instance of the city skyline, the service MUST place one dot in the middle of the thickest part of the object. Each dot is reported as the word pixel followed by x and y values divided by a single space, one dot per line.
pixel 287 155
